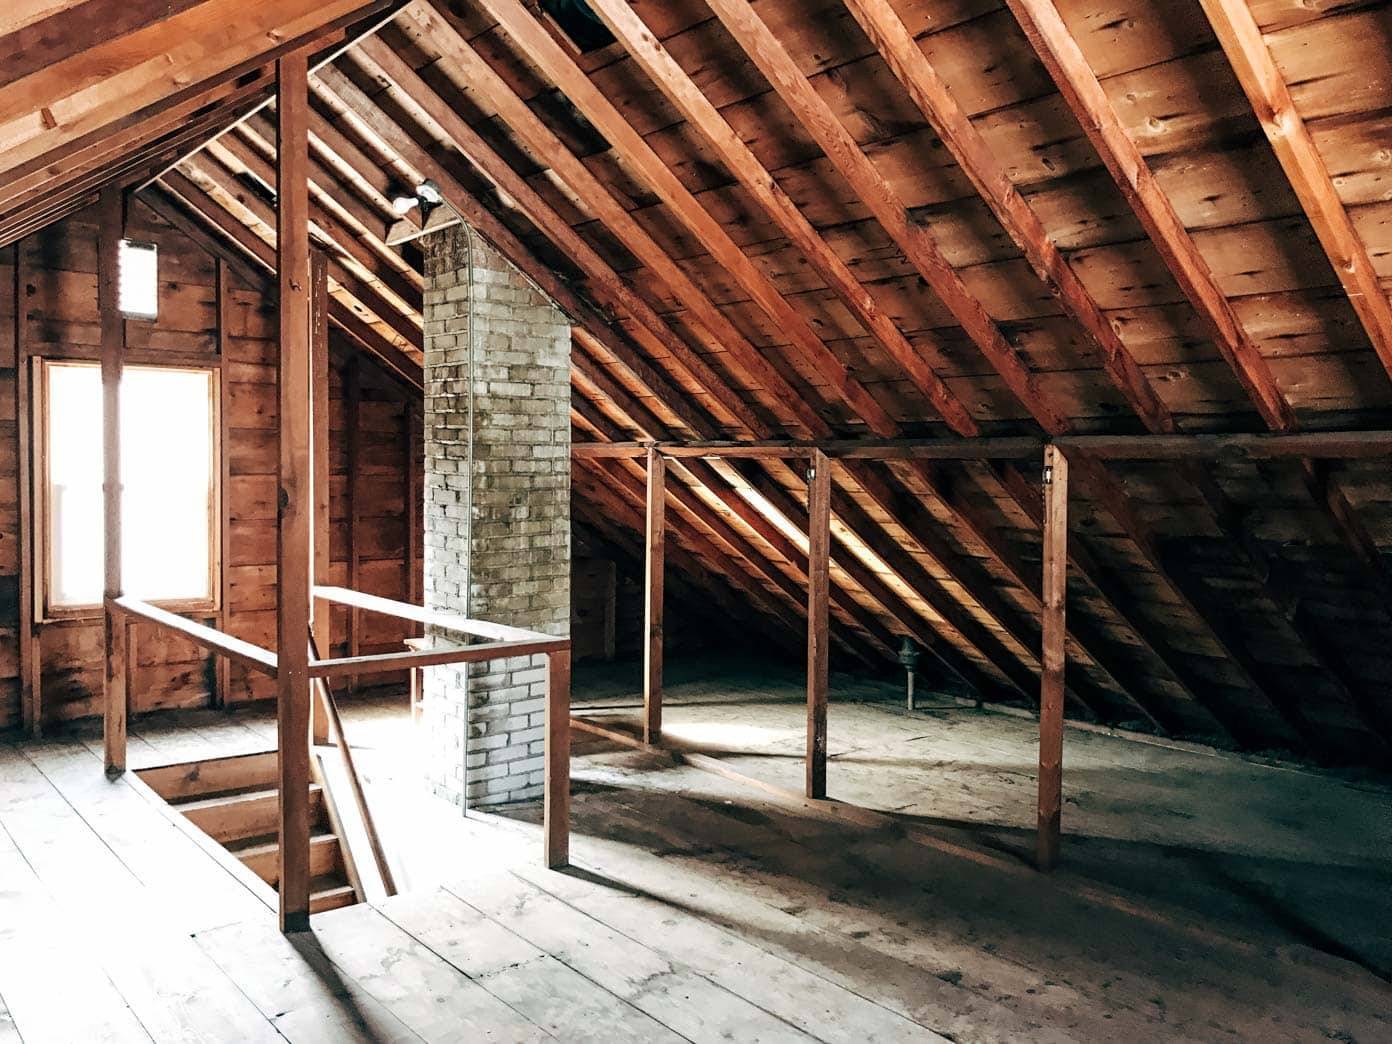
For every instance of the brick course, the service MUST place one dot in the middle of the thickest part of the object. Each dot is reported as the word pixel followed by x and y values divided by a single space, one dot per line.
pixel 497 508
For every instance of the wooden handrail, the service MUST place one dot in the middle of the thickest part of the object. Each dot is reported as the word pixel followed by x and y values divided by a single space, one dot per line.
pixel 1321 445
pixel 374 840
pixel 381 663
pixel 434 617
pixel 245 653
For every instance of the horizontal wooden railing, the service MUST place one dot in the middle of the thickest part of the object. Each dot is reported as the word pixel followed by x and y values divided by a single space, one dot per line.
pixel 235 649
pixel 1320 445
pixel 499 639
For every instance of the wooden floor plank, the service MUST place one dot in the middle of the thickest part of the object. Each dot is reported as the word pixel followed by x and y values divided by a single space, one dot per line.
pixel 430 996
pixel 45 957
pixel 192 892
pixel 815 1004
pixel 171 987
pixel 294 985
pixel 686 1002
pixel 530 981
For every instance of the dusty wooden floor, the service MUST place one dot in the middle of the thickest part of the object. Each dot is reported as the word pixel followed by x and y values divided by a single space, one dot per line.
pixel 702 909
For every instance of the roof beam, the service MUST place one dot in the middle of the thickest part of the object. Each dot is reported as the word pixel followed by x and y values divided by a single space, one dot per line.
pixel 118 79
pixel 366 294
pixel 251 246
pixel 916 242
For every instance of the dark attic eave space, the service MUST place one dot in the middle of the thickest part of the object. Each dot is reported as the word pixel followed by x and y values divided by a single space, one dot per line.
pixel 860 219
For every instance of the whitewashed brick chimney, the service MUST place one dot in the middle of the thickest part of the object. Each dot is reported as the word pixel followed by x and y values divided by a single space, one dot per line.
pixel 497 508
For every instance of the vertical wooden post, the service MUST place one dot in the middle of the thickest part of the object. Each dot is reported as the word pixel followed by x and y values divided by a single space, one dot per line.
pixel 224 313
pixel 111 228
pixel 556 801
pixel 655 547
pixel 296 489
pixel 30 702
pixel 352 402
pixel 319 417
pixel 415 529
pixel 1052 656
pixel 818 592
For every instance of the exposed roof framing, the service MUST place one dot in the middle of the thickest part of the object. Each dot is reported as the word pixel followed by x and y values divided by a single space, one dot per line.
pixel 98 92
pixel 849 218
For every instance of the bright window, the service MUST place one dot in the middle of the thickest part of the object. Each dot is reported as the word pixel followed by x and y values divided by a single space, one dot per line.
pixel 139 284
pixel 168 464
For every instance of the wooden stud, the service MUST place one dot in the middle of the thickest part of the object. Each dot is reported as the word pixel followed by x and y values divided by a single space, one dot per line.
pixel 223 295
pixel 30 685
pixel 556 799
pixel 296 492
pixel 413 470
pixel 1052 656
pixel 112 222
pixel 654 570
pixel 319 422
pixel 818 584
pixel 352 407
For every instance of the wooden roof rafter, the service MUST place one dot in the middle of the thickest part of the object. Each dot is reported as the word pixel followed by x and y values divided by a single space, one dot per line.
pixel 540 139
pixel 720 484
pixel 177 195
pixel 131 101
pixel 647 327
pixel 759 44
pixel 399 73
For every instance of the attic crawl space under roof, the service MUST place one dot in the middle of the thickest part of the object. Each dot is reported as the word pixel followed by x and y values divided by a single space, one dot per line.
pixel 857 220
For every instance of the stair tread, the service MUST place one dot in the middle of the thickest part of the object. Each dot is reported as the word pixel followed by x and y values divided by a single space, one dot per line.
pixel 245 847
pixel 222 800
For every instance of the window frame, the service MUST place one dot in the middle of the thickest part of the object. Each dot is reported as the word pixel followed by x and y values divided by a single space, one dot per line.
pixel 45 610
pixel 126 243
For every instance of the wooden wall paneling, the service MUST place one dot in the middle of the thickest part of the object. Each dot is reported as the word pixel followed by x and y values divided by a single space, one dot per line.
pixel 296 492
pixel 1053 656
pixel 113 332
pixel 654 572
pixel 818 580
